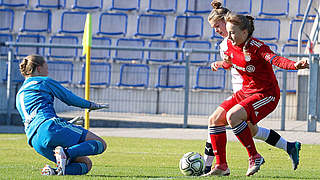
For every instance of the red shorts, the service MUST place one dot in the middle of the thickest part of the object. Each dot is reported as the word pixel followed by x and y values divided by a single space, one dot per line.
pixel 257 105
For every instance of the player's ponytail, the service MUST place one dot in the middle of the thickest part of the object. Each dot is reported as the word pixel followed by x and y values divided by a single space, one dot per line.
pixel 218 12
pixel 30 63
pixel 250 25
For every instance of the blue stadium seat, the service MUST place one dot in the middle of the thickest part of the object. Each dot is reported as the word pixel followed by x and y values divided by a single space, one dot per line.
pixel 292 49
pixel 196 6
pixel 197 57
pixel 100 54
pixel 125 5
pixel 165 6
pixel 302 6
pixel 239 6
pixel 162 57
pixel 3 38
pixel 294 29
pixel 274 7
pixel 15 3
pixel 127 55
pixel 63 52
pixel 61 71
pixel 36 21
pixel 30 38
pixel 208 79
pixel 7 18
pixel 113 24
pixel 100 74
pixel 59 4
pixel 134 75
pixel 151 25
pixel 267 29
pixel 68 19
pixel 273 47
pixel 16 76
pixel 171 76
pixel 292 80
pixel 188 27
pixel 89 5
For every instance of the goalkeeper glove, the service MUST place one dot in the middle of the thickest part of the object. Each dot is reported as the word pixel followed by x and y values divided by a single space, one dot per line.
pixel 95 106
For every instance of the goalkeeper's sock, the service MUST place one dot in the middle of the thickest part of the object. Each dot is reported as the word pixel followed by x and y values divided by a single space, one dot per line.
pixel 76 169
pixel 91 147
pixel 271 137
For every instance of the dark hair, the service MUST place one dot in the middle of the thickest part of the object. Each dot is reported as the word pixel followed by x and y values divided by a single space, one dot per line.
pixel 218 12
pixel 30 63
pixel 244 22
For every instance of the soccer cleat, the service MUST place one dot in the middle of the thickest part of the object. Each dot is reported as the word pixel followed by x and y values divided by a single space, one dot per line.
pixel 48 171
pixel 293 149
pixel 61 160
pixel 254 164
pixel 219 170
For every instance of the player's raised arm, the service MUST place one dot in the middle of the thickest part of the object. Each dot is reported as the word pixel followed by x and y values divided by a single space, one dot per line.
pixel 280 61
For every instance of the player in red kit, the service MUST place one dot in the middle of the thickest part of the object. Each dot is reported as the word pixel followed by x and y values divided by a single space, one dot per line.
pixel 216 21
pixel 258 97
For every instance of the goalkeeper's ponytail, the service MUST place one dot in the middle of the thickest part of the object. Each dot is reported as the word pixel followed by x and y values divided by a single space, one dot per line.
pixel 30 63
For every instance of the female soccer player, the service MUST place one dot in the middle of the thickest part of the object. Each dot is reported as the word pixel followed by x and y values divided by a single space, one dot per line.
pixel 216 20
pixel 257 98
pixel 53 137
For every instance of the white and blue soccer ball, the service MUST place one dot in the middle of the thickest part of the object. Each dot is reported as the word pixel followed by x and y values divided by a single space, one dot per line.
pixel 192 164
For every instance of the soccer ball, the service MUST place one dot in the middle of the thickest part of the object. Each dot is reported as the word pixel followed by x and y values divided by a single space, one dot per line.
pixel 192 164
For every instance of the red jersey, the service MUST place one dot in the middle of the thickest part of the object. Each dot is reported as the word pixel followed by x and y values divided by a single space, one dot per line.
pixel 255 66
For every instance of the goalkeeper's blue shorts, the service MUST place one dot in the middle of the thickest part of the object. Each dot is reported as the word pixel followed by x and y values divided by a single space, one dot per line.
pixel 56 132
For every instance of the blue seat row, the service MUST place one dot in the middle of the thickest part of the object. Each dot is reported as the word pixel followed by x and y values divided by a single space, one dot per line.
pixel 120 55
pixel 148 25
pixel 62 71
pixel 137 75
pixel 131 75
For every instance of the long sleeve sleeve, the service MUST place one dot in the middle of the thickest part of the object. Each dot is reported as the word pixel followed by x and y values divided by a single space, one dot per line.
pixel 66 95
pixel 282 62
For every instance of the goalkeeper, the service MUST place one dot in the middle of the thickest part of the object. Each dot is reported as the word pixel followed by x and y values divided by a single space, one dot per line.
pixel 56 139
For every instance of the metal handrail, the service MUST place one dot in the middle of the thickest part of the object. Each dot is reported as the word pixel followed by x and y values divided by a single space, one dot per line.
pixel 45 45
pixel 306 13
pixel 316 32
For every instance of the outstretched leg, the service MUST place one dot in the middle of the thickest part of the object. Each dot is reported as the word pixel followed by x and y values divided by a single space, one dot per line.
pixel 274 139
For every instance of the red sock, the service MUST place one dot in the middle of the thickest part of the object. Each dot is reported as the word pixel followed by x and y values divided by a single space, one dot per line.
pixel 243 133
pixel 219 141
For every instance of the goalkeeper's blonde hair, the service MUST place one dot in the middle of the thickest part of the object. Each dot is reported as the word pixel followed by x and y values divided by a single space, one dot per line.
pixel 30 63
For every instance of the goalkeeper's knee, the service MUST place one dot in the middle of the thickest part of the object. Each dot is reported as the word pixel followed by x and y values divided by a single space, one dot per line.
pixel 102 146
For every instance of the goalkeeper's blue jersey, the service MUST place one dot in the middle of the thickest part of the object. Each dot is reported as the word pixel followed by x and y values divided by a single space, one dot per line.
pixel 35 98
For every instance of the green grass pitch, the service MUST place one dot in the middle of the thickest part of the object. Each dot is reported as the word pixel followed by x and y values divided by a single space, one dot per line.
pixel 143 158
